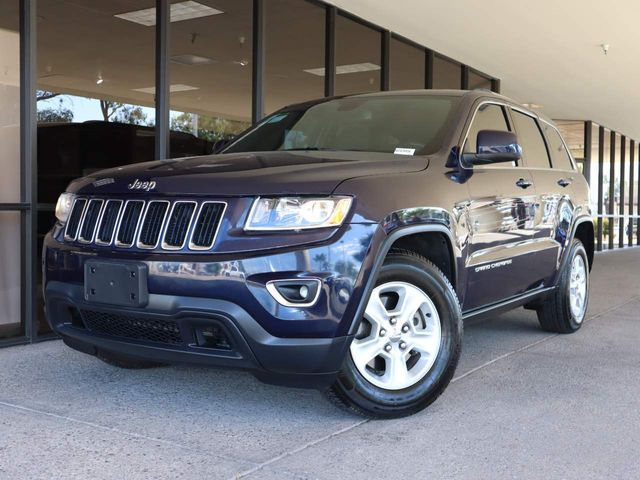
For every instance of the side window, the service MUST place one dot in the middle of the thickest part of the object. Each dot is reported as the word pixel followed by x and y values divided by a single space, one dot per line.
pixel 534 150
pixel 488 117
pixel 560 157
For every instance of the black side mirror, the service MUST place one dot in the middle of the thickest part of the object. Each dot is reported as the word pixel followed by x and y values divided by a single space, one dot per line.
pixel 494 146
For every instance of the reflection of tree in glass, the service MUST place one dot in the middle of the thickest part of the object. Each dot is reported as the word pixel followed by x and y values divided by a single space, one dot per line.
pixel 208 128
pixel 51 114
pixel 123 113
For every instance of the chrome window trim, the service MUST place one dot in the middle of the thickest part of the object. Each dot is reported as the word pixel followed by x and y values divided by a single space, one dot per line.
pixel 537 119
pixel 144 246
pixel 192 227
pixel 189 226
pixel 66 228
pixel 95 227
pixel 507 119
pixel 566 147
pixel 117 230
pixel 115 226
pixel 283 301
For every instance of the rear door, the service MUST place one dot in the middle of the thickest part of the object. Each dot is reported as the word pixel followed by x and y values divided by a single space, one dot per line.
pixel 553 187
pixel 500 214
pixel 553 180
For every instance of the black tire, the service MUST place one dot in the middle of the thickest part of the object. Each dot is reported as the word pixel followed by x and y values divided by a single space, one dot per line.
pixel 353 391
pixel 555 313
pixel 125 361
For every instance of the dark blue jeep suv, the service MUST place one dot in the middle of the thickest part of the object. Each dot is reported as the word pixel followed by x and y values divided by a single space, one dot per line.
pixel 338 244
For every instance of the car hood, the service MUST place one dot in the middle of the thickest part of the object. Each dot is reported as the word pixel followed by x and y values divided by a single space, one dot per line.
pixel 246 174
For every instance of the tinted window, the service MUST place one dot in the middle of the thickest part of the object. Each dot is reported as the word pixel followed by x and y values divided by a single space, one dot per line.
pixel 559 154
pixel 415 124
pixel 488 117
pixel 534 150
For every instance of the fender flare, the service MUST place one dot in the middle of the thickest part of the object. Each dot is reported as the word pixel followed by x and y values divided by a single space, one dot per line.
pixel 578 221
pixel 381 254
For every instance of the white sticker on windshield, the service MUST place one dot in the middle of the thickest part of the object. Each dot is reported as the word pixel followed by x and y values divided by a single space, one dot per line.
pixel 404 151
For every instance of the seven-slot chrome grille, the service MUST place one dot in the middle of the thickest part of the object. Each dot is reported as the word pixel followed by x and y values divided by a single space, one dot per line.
pixel 145 224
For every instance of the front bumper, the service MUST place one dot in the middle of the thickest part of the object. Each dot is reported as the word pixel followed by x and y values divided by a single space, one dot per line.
pixel 307 362
pixel 191 293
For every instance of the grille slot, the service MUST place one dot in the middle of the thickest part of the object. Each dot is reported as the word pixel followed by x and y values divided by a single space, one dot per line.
pixel 129 223
pixel 206 226
pixel 145 224
pixel 152 224
pixel 108 222
pixel 178 226
pixel 135 328
pixel 88 228
pixel 73 223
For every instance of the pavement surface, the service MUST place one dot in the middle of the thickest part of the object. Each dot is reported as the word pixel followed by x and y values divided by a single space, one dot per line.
pixel 523 404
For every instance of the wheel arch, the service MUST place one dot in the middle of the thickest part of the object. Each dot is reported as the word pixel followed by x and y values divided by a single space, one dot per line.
pixel 583 230
pixel 419 237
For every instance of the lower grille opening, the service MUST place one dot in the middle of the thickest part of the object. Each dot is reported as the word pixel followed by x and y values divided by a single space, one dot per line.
pixel 213 336
pixel 125 326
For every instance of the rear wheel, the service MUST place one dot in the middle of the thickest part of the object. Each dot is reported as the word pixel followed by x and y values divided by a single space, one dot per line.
pixel 408 343
pixel 564 312
pixel 125 361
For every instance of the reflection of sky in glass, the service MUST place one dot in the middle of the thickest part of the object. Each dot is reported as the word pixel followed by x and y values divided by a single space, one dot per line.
pixel 85 109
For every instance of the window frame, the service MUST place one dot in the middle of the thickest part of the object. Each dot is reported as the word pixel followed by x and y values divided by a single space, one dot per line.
pixel 509 121
pixel 536 121
pixel 572 161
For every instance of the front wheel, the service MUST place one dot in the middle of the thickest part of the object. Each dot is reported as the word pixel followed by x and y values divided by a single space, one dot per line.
pixel 408 343
pixel 564 312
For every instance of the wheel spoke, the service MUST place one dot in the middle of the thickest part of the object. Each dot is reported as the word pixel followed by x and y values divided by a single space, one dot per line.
pixel 395 368
pixel 408 304
pixel 375 312
pixel 424 342
pixel 363 351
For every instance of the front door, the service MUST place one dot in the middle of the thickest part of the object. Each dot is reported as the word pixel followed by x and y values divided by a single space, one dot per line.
pixel 499 215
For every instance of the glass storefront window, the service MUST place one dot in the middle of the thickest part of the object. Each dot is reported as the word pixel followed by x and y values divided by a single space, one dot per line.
pixel 95 93
pixel 10 242
pixel 358 50
pixel 446 73
pixel 478 81
pixel 294 52
pixel 9 104
pixel 210 71
pixel 406 66
pixel 615 207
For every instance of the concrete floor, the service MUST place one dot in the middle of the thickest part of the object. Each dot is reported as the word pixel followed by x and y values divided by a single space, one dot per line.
pixel 524 404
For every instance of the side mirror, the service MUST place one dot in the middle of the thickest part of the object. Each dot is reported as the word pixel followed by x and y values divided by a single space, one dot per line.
pixel 494 146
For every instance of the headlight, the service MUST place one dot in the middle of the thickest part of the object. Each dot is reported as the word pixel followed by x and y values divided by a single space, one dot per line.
pixel 297 213
pixel 63 207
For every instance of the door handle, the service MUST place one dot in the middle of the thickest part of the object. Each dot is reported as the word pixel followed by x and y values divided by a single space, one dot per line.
pixel 565 182
pixel 522 183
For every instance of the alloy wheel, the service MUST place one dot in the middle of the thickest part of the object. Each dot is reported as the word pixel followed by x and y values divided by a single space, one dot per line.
pixel 399 338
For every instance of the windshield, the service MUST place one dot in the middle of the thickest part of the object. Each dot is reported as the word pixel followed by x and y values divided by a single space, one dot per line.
pixel 408 125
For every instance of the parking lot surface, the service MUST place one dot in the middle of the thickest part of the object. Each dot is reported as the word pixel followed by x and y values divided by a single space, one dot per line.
pixel 524 404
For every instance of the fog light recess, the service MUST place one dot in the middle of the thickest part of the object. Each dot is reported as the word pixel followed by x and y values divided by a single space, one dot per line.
pixel 295 292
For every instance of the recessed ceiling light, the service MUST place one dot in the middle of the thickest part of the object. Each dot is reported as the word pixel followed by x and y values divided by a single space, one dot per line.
pixel 179 12
pixel 188 59
pixel 531 105
pixel 178 87
pixel 342 69
pixel 99 80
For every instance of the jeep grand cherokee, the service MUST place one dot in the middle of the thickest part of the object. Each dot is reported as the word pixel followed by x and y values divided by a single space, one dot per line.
pixel 338 243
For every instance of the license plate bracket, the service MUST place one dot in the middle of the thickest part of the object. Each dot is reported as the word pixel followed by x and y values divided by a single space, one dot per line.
pixel 116 283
